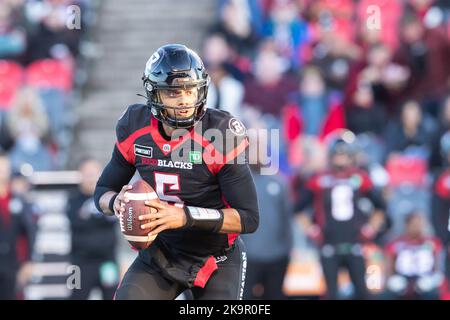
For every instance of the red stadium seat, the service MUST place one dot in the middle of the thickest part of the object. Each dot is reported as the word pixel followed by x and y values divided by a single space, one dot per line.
pixel 49 73
pixel 11 77
pixel 406 170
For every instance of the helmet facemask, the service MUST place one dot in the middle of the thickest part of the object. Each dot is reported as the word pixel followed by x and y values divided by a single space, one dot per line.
pixel 169 114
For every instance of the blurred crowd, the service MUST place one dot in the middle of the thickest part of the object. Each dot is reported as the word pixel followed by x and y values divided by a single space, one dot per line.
pixel 309 68
pixel 43 65
pixel 41 69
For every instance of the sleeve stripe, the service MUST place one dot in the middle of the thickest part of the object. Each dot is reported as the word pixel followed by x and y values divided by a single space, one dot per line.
pixel 121 147
pixel 125 146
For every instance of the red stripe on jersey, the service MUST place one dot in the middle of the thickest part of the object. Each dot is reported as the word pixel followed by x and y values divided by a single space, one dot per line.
pixel 231 236
pixel 205 272
pixel 5 215
pixel 233 153
pixel 125 146
pixel 366 184
pixel 22 249
pixel 319 209
pixel 442 187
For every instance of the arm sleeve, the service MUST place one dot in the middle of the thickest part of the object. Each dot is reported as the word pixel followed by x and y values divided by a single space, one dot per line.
pixel 117 173
pixel 377 199
pixel 28 228
pixel 304 201
pixel 238 189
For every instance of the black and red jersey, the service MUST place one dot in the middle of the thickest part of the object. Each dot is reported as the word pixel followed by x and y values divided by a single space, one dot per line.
pixel 414 257
pixel 205 166
pixel 441 206
pixel 341 202
pixel 17 231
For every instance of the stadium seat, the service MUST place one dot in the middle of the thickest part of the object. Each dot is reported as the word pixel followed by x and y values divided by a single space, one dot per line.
pixel 49 73
pixel 11 77
pixel 403 169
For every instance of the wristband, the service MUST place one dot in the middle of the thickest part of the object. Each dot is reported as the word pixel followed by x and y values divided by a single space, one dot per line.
pixel 111 203
pixel 203 219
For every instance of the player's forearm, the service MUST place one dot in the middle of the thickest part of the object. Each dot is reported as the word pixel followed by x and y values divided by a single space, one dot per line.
pixel 104 202
pixel 231 221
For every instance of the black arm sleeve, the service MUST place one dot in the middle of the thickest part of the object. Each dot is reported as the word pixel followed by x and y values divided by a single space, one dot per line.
pixel 28 226
pixel 304 201
pixel 377 200
pixel 117 173
pixel 238 189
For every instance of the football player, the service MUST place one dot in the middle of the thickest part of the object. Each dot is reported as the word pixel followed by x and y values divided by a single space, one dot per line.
pixel 17 221
pixel 441 205
pixel 413 263
pixel 195 159
pixel 346 212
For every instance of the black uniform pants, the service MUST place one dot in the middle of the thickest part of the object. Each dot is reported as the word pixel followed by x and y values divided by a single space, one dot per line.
pixel 144 282
pixel 332 261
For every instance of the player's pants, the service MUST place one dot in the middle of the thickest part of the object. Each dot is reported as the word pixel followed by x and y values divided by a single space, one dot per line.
pixel 8 285
pixel 268 275
pixel 353 261
pixel 96 274
pixel 143 282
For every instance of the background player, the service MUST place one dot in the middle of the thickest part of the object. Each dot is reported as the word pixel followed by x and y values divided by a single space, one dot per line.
pixel 339 223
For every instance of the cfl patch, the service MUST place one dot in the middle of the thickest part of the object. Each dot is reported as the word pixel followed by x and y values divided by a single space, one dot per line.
pixel 143 151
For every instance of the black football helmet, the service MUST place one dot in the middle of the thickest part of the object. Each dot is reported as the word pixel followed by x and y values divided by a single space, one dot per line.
pixel 343 141
pixel 175 67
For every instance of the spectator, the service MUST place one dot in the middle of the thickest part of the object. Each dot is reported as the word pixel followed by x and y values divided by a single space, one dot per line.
pixel 51 38
pixel 413 262
pixel 267 91
pixel 90 231
pixel 28 124
pixel 235 23
pixel 437 159
pixel 16 221
pixel 28 115
pixel 411 134
pixel 12 36
pixel 387 78
pixel 364 115
pixel 426 52
pixel 287 29
pixel 313 112
pixel 334 56
pixel 225 92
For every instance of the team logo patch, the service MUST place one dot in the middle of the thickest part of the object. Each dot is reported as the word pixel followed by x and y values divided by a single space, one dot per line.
pixel 166 148
pixel 195 157
pixel 236 127
pixel 143 151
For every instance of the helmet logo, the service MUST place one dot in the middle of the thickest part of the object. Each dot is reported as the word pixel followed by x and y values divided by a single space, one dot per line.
pixel 155 57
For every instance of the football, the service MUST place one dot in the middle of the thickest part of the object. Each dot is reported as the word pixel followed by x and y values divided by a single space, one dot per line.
pixel 130 225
